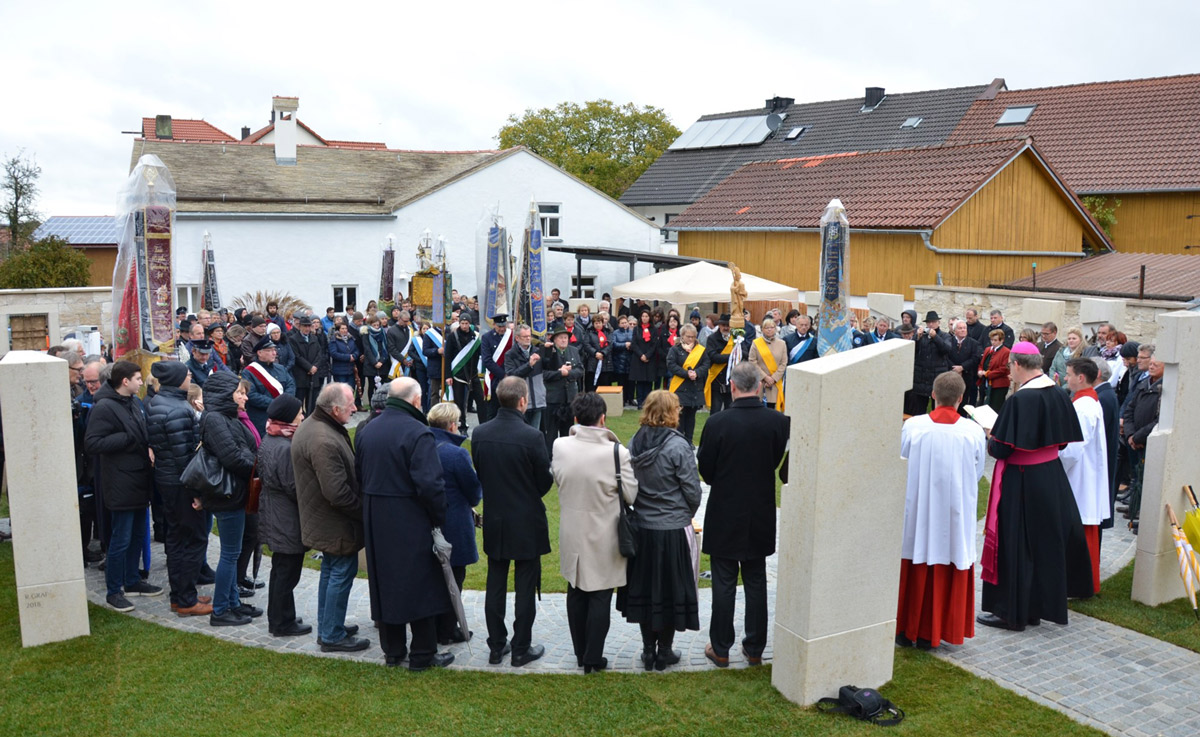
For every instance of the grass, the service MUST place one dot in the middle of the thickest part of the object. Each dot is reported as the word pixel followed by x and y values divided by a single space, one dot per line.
pixel 135 678
pixel 1172 622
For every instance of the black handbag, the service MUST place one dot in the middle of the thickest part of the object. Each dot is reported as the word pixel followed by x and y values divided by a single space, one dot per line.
pixel 205 476
pixel 627 521
pixel 864 704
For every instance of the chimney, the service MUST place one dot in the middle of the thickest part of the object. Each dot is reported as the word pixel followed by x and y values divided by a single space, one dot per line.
pixel 775 104
pixel 245 132
pixel 872 99
pixel 285 129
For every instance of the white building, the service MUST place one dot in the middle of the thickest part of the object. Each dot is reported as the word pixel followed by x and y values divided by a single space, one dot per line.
pixel 287 210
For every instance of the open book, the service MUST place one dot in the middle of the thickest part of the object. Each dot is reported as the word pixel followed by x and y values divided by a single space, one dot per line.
pixel 983 414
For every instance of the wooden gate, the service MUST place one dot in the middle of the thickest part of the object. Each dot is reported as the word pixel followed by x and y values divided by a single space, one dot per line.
pixel 29 332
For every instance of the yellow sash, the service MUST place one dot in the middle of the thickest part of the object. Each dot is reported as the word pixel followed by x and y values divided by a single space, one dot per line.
pixel 715 370
pixel 764 352
pixel 689 364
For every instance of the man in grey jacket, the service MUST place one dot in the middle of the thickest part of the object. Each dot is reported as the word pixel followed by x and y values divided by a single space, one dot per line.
pixel 522 361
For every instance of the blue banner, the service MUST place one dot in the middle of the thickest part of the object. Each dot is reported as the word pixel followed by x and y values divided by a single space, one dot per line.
pixel 834 334
pixel 537 298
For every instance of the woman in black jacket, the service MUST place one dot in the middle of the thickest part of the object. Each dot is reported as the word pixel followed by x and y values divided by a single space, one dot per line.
pixel 686 380
pixel 279 516
pixel 643 361
pixel 224 436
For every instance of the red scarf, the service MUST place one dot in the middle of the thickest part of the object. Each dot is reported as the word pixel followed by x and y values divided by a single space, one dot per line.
pixel 280 429
pixel 1088 392
pixel 671 337
pixel 646 333
pixel 603 340
pixel 945 415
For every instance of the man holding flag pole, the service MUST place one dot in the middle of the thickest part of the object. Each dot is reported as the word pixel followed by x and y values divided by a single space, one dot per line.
pixel 462 379
pixel 493 346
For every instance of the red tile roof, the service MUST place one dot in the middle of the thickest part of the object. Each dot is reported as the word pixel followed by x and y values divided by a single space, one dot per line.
pixel 901 188
pixel 188 130
pixel 1105 137
pixel 1169 276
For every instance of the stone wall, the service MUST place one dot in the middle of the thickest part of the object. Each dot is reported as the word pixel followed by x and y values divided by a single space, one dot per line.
pixel 1139 323
pixel 65 309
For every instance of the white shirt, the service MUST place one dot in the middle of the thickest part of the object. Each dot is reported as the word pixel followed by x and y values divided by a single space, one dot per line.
pixel 945 463
pixel 1086 463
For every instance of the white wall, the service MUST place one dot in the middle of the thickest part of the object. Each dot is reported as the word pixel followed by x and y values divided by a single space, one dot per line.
pixel 658 213
pixel 306 256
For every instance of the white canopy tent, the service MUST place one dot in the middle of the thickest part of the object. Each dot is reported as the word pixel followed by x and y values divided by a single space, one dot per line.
pixel 702 282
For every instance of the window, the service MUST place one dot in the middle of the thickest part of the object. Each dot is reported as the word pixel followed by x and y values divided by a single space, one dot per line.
pixel 188 295
pixel 911 123
pixel 669 236
pixel 344 295
pixel 585 284
pixel 1016 115
pixel 796 132
pixel 550 214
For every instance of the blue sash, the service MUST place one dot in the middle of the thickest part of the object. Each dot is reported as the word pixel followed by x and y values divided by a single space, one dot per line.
pixel 798 351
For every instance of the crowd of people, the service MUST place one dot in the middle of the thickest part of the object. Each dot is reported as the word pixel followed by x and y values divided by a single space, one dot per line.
pixel 269 396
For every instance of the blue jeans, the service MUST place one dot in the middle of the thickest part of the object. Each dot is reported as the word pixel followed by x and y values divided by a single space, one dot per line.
pixel 533 417
pixel 124 550
pixel 230 527
pixel 333 595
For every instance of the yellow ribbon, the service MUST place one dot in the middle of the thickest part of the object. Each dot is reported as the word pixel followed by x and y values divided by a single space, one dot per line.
pixel 689 364
pixel 715 370
pixel 764 352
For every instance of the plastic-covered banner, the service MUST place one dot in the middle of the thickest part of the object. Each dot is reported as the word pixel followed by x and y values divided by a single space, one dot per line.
pixel 498 275
pixel 531 303
pixel 834 334
pixel 387 279
pixel 143 282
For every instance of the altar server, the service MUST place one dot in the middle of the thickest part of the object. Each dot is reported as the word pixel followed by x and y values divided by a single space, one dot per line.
pixel 1086 463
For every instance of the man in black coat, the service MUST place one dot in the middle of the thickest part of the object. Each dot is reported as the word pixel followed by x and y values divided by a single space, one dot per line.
pixel 174 433
pixel 997 318
pixel 312 362
pixel 403 500
pixel 116 435
pixel 514 470
pixel 964 357
pixel 562 368
pixel 718 358
pixel 489 342
pixel 976 329
pixel 465 379
pixel 739 452
pixel 932 359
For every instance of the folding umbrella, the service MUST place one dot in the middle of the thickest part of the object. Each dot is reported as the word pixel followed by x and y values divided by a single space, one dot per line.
pixel 1188 569
pixel 441 549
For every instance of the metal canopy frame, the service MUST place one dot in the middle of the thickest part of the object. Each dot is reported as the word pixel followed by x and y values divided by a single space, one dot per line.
pixel 623 255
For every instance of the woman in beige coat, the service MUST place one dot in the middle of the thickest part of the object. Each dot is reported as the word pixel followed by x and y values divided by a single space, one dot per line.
pixel 772 381
pixel 586 469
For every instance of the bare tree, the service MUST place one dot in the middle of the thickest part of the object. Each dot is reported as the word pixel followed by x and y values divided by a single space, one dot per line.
pixel 20 187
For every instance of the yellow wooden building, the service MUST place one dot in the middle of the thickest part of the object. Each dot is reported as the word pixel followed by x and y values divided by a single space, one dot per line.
pixel 968 215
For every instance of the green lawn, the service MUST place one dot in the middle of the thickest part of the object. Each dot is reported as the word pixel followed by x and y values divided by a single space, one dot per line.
pixel 134 678
pixel 1172 622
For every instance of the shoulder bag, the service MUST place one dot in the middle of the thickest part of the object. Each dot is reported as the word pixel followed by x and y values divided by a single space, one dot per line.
pixel 205 476
pixel 627 521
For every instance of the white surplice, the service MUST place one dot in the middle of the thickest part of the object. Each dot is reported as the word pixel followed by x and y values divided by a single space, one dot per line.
pixel 1086 463
pixel 945 463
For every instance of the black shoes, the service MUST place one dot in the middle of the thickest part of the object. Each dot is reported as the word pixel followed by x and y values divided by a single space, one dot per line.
pixel 671 657
pixel 246 583
pixel 229 619
pixel 244 593
pixel 497 655
pixel 533 653
pixel 991 620
pixel 348 644
pixel 602 665
pixel 456 638
pixel 351 629
pixel 204 580
pixel 247 610
pixel 120 603
pixel 648 659
pixel 141 588
pixel 293 629
pixel 439 660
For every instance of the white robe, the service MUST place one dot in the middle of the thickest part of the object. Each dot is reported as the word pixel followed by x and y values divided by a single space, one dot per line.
pixel 945 463
pixel 1086 463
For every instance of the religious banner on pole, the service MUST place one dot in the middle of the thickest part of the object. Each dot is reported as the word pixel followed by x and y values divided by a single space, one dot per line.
pixel 498 276
pixel 531 300
pixel 387 275
pixel 834 334
pixel 143 283
pixel 210 295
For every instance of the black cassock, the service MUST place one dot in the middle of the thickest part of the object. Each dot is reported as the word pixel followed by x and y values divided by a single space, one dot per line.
pixel 1042 555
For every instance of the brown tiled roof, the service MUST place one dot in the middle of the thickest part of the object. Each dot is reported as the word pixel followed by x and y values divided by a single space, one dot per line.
pixel 1169 276
pixel 902 188
pixel 229 178
pixel 188 130
pixel 1105 137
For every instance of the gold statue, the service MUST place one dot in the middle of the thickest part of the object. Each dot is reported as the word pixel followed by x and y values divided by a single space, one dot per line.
pixel 737 299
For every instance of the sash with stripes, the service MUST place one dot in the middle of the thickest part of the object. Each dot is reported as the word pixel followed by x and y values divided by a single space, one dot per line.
pixel 270 383
pixel 497 358
pixel 715 370
pixel 689 364
pixel 398 369
pixel 794 356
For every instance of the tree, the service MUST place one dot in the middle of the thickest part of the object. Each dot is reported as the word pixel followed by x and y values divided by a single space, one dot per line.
pixel 20 190
pixel 258 301
pixel 604 144
pixel 1104 212
pixel 49 262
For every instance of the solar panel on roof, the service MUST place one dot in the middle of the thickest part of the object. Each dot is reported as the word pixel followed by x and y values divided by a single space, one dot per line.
pixel 80 230
pixel 743 131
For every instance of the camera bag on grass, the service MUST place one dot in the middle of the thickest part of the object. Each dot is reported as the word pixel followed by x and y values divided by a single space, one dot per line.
pixel 864 704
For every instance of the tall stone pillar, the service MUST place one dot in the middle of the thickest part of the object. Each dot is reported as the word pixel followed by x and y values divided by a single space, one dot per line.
pixel 1038 312
pixel 1171 459
pixel 841 522
pixel 43 500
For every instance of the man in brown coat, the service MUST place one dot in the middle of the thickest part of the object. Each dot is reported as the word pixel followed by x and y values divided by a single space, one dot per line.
pixel 331 517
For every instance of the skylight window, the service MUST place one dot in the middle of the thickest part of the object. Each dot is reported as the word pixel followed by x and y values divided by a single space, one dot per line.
pixel 796 132
pixel 911 123
pixel 1016 115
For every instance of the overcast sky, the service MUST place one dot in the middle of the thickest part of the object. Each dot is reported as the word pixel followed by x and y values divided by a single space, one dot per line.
pixel 444 76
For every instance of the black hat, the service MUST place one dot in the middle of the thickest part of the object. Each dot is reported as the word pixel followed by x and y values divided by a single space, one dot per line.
pixel 500 318
pixel 257 320
pixel 213 327
pixel 931 316
pixel 283 408
pixel 169 373
pixel 202 345
pixel 1129 349
pixel 907 330
pixel 560 330
pixel 264 344
pixel 181 311
pixel 304 320
pixel 724 319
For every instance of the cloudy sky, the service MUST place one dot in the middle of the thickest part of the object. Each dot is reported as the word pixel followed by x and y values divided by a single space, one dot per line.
pixel 446 75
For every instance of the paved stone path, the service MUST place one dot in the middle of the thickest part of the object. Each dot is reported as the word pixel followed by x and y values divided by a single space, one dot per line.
pixel 1111 678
